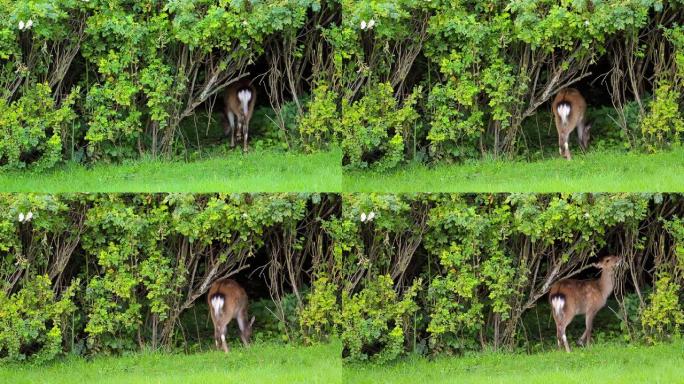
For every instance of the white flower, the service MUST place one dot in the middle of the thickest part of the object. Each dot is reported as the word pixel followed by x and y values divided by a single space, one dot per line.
pixel 21 217
pixel 363 25
pixel 21 25
pixel 371 23
pixel 363 217
pixel 371 216
pixel 29 216
pixel 586 22
pixel 29 24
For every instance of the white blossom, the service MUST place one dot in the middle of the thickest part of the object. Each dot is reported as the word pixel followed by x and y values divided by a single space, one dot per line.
pixel 371 216
pixel 29 24
pixel 21 217
pixel 363 217
pixel 21 25
pixel 371 23
pixel 29 216
pixel 363 24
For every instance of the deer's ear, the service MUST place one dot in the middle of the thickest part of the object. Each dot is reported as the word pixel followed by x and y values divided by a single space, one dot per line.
pixel 251 322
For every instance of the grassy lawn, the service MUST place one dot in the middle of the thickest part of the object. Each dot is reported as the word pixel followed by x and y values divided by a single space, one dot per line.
pixel 259 364
pixel 609 171
pixel 596 364
pixel 256 171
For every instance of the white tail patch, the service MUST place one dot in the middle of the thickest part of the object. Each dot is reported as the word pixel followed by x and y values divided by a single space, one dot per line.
pixel 558 303
pixel 245 96
pixel 217 304
pixel 564 112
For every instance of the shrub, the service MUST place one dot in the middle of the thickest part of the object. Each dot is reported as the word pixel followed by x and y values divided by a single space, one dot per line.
pixel 320 317
pixel 32 128
pixel 375 320
pixel 664 315
pixel 664 123
pixel 32 321
pixel 320 124
pixel 373 128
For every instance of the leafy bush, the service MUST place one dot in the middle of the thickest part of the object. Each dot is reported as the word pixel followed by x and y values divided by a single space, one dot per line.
pixel 375 320
pixel 664 124
pixel 489 260
pixel 320 317
pixel 145 260
pixel 489 68
pixel 32 128
pixel 321 122
pixel 32 321
pixel 145 66
pixel 373 128
pixel 664 315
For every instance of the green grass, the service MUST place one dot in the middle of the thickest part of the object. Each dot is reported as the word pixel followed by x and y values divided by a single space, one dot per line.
pixel 598 171
pixel 596 364
pixel 261 363
pixel 256 171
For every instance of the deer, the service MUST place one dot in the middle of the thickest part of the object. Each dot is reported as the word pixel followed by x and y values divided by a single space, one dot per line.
pixel 571 297
pixel 227 301
pixel 569 108
pixel 239 99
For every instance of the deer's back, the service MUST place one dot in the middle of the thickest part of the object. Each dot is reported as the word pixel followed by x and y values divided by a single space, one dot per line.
pixel 580 295
pixel 234 296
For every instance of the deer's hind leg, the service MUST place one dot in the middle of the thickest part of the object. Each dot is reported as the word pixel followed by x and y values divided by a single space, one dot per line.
pixel 245 127
pixel 217 336
pixel 562 338
pixel 231 120
pixel 223 327
pixel 563 137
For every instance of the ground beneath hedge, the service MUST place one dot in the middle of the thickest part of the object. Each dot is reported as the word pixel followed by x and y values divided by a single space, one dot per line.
pixel 597 171
pixel 608 363
pixel 261 363
pixel 256 171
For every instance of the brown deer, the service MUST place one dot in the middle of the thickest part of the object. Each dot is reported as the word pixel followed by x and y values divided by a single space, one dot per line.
pixel 569 108
pixel 227 301
pixel 570 297
pixel 239 100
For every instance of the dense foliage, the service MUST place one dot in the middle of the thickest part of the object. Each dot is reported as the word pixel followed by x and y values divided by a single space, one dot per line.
pixel 109 273
pixel 450 273
pixel 475 71
pixel 108 80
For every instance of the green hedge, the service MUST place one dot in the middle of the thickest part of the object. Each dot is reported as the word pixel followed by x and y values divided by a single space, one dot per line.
pixel 135 70
pixel 440 273
pixel 484 67
pixel 108 273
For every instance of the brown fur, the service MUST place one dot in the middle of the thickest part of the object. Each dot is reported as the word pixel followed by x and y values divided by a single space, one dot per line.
pixel 234 307
pixel 582 297
pixel 234 108
pixel 576 119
